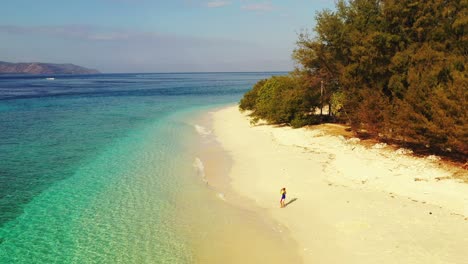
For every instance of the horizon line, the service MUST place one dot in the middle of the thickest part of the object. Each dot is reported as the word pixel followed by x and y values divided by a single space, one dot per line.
pixel 115 73
pixel 193 72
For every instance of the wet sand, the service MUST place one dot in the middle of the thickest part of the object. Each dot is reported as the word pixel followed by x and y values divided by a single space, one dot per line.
pixel 237 230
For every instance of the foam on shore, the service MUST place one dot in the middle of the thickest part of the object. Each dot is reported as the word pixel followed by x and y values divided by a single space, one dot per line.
pixel 200 169
pixel 235 230
pixel 201 130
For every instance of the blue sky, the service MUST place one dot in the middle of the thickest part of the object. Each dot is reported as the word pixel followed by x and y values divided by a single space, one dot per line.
pixel 157 36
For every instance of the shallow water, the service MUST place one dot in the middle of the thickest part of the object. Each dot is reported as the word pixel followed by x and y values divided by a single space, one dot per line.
pixel 100 169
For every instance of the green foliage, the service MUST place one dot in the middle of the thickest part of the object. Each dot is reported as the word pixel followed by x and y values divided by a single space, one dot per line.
pixel 395 68
pixel 250 98
pixel 304 120
pixel 280 100
pixel 337 101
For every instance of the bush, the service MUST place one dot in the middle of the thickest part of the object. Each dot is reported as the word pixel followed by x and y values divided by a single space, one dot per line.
pixel 249 100
pixel 281 100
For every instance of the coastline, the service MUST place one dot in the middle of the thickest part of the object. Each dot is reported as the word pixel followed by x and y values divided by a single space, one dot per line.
pixel 235 229
pixel 351 203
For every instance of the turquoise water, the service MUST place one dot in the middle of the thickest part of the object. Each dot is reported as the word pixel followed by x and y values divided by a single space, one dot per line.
pixel 94 168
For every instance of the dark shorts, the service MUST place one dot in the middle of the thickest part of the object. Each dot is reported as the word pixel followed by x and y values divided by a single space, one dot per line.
pixel 283 197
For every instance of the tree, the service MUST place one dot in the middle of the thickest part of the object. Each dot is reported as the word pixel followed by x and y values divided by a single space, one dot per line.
pixel 250 97
pixel 396 69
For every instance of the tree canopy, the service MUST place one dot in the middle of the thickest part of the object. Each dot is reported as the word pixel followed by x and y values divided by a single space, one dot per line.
pixel 394 69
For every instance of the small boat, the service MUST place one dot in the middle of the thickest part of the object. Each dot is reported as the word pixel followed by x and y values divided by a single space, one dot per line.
pixel 50 79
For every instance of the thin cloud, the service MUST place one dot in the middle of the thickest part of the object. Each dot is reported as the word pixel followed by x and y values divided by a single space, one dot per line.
pixel 216 4
pixel 70 31
pixel 100 34
pixel 262 7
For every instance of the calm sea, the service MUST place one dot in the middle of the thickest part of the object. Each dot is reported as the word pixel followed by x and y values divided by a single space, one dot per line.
pixel 100 168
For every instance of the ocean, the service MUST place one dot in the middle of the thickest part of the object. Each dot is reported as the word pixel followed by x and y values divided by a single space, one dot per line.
pixel 104 169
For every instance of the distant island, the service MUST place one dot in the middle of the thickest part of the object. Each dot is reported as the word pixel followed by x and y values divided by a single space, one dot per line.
pixel 43 68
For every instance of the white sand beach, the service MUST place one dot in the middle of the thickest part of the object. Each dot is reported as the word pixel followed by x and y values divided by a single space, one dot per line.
pixel 348 202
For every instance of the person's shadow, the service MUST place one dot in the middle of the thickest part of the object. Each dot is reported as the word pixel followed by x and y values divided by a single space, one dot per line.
pixel 290 202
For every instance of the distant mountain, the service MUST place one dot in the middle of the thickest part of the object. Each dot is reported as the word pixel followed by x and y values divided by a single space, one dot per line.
pixel 42 68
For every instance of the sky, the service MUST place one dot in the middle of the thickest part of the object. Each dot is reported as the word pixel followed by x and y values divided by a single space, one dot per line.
pixel 117 36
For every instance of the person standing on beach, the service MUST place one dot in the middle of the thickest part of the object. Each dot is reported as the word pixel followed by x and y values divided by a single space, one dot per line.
pixel 283 197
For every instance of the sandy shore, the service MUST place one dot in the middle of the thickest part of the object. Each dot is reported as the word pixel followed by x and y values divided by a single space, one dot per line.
pixel 348 203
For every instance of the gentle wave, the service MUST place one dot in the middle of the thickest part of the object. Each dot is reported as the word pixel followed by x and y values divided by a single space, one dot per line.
pixel 106 146
pixel 200 167
pixel 202 130
pixel 122 85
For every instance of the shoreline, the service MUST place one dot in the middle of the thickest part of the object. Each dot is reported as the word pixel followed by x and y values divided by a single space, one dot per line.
pixel 353 204
pixel 249 234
